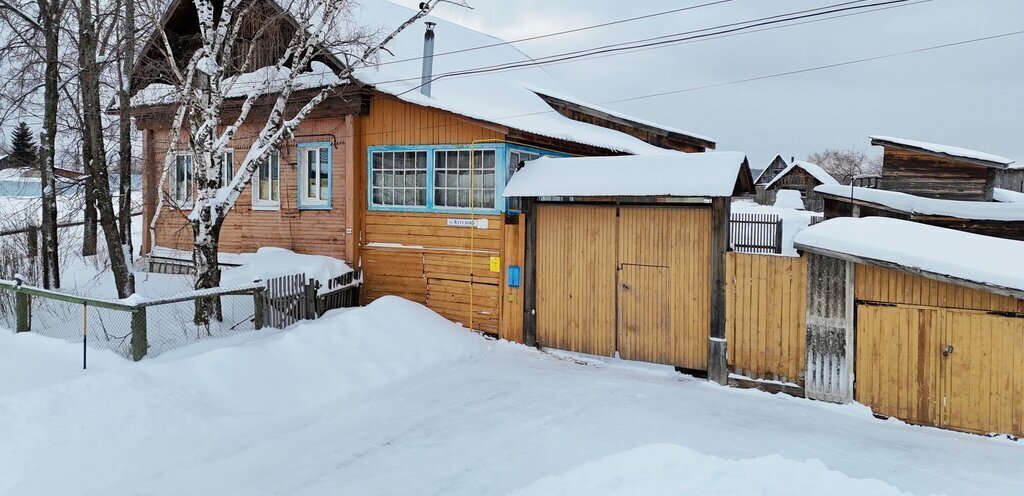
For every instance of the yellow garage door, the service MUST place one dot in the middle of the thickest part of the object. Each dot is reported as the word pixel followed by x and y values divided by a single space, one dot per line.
pixel 961 369
pixel 576 278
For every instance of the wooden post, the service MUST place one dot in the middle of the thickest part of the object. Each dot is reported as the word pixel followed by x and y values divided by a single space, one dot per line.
pixel 718 368
pixel 32 244
pixel 530 273
pixel 310 297
pixel 140 343
pixel 23 308
pixel 778 236
pixel 257 308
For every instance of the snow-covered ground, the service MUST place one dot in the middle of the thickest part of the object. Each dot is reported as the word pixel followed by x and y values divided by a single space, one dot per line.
pixel 393 399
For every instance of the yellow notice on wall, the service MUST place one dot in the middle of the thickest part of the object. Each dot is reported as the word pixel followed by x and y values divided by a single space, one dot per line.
pixel 495 264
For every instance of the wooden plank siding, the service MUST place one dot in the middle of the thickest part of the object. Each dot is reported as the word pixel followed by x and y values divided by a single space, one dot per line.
pixel 766 306
pixel 882 285
pixel 320 232
pixel 576 278
pixel 419 257
pixel 931 176
pixel 905 369
pixel 512 298
pixel 678 238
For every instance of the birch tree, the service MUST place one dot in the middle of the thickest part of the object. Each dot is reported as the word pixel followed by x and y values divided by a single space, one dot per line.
pixel 216 73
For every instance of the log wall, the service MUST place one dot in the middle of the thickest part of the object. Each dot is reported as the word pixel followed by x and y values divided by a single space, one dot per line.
pixel 930 176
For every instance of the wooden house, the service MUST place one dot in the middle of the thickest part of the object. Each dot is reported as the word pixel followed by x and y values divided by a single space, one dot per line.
pixel 626 255
pixel 1011 178
pixel 917 322
pixel 777 165
pixel 938 171
pixel 411 179
pixel 803 177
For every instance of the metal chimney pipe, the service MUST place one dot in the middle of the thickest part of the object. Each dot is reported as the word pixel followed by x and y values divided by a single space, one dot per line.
pixel 428 59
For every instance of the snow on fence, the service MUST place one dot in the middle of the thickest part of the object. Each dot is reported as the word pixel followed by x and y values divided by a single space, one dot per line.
pixel 755 233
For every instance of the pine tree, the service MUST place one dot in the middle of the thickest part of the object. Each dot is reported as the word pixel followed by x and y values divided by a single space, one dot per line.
pixel 23 147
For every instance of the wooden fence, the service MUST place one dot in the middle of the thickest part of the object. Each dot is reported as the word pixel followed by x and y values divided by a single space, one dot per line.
pixel 755 233
pixel 290 299
pixel 765 316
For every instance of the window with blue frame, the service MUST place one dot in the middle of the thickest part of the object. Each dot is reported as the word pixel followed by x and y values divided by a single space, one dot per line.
pixel 315 175
pixel 443 178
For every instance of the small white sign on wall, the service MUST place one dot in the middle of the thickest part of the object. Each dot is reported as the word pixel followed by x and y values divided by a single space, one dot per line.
pixel 477 223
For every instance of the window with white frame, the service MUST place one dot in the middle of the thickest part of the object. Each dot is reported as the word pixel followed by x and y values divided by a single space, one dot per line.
pixel 314 175
pixel 181 182
pixel 516 157
pixel 266 185
pixel 227 167
pixel 399 178
pixel 464 178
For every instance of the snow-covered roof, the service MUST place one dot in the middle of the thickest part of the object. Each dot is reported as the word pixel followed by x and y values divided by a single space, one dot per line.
pixel 944 150
pixel 814 170
pixel 711 174
pixel 1007 196
pixel 920 247
pixel 508 98
pixel 972 210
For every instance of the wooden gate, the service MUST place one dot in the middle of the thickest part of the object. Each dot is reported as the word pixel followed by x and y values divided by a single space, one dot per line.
pixel 285 301
pixel 962 369
pixel 629 279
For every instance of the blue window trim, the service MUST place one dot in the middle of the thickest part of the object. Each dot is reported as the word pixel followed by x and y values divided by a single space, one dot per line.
pixel 330 179
pixel 500 166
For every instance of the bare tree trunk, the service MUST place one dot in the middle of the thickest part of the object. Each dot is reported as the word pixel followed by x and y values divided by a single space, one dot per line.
pixel 50 11
pixel 128 53
pixel 124 279
pixel 89 214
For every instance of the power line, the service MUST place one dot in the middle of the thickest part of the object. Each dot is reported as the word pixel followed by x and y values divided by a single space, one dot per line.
pixel 568 31
pixel 656 42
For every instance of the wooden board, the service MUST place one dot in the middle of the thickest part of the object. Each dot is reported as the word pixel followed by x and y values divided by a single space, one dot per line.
pixel 766 306
pixel 512 298
pixel 645 314
pixel 882 285
pixel 898 361
pixel 576 278
pixel 904 372
pixel 678 238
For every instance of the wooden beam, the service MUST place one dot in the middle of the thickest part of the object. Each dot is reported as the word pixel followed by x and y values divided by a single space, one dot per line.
pixel 530 273
pixel 718 369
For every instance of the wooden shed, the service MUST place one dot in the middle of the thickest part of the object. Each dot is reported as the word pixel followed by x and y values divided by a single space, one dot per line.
pixel 917 322
pixel 626 255
pixel 933 170
pixel 799 176
pixel 1002 220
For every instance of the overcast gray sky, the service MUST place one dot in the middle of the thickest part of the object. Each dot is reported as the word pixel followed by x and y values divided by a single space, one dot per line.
pixel 970 96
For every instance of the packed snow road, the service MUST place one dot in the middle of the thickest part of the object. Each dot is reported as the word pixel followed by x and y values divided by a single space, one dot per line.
pixel 392 399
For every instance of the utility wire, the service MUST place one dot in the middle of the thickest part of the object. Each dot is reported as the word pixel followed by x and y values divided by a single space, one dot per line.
pixel 650 42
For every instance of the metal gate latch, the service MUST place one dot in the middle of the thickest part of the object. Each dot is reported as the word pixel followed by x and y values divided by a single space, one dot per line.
pixel 948 350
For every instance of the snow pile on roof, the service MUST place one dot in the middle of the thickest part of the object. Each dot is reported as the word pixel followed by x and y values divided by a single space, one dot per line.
pixel 663 174
pixel 789 198
pixel 1007 195
pixel 972 210
pixel 269 262
pixel 947 252
pixel 504 97
pixel 674 469
pixel 814 170
pixel 239 86
pixel 952 151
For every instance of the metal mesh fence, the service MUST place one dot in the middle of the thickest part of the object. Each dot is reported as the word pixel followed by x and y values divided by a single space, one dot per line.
pixel 167 325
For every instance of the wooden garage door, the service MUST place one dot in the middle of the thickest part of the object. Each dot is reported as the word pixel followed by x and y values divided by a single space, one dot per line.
pixel 678 239
pixel 576 278
pixel 952 368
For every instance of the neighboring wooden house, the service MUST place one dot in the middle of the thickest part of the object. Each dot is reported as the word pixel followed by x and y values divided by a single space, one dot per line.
pixel 803 177
pixel 626 255
pixel 1001 220
pixel 938 171
pixel 1011 178
pixel 411 179
pixel 773 169
pixel 917 322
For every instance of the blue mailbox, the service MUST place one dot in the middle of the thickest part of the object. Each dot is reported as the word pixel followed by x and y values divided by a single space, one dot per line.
pixel 514 276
